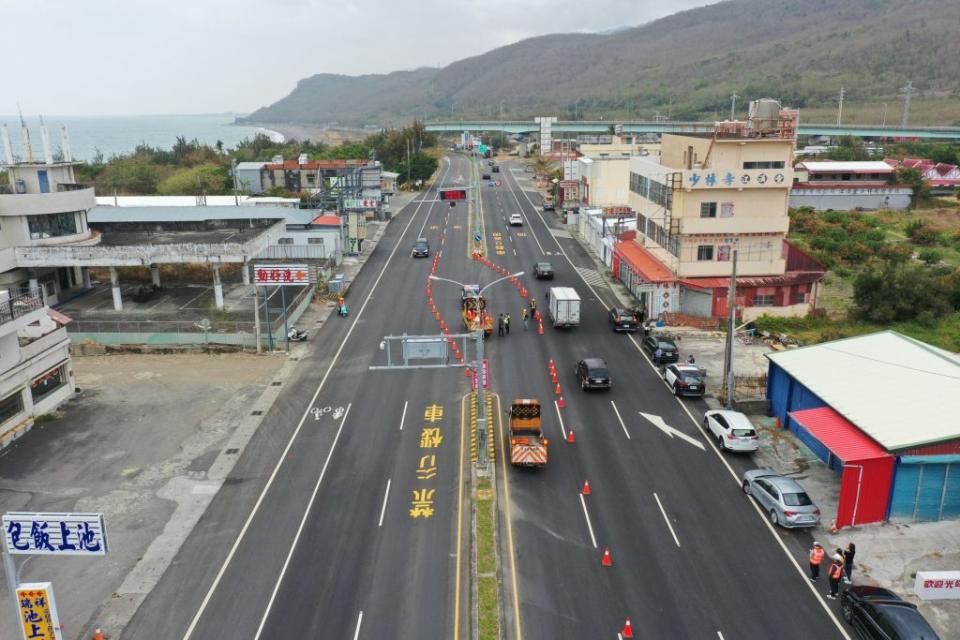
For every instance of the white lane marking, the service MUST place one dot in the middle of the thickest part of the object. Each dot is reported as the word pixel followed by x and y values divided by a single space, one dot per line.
pixel 303 523
pixel 293 437
pixel 383 509
pixel 356 634
pixel 560 418
pixel 666 519
pixel 720 635
pixel 586 515
pixel 612 404
pixel 659 423
pixel 403 415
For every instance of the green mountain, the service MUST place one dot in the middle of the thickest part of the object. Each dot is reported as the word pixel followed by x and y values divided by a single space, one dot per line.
pixel 687 64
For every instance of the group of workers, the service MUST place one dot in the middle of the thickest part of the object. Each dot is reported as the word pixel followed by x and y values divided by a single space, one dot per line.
pixel 840 569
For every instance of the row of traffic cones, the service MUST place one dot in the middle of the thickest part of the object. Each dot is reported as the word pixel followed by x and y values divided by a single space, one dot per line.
pixel 606 559
pixel 524 293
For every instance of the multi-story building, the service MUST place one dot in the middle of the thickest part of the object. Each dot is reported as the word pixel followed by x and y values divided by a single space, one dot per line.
pixel 705 198
pixel 603 182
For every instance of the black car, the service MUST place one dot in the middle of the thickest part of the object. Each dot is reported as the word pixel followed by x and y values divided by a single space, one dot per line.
pixel 874 612
pixel 543 271
pixel 623 320
pixel 485 176
pixel 684 379
pixel 421 248
pixel 668 347
pixel 495 169
pixel 593 374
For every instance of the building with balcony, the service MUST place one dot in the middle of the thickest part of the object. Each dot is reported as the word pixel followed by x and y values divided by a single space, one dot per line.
pixel 36 373
pixel 707 198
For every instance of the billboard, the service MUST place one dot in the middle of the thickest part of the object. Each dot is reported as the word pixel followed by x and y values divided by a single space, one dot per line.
pixel 453 194
pixel 55 534
pixel 281 274
pixel 38 611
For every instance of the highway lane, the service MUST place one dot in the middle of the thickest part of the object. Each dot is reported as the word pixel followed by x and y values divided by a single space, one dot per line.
pixel 729 574
pixel 326 541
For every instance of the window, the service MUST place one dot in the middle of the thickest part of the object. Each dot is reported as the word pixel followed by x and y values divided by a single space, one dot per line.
pixel 11 406
pixel 708 209
pixel 656 192
pixel 48 383
pixel 705 252
pixel 764 165
pixel 285 241
pixel 763 301
pixel 52 225
pixel 314 240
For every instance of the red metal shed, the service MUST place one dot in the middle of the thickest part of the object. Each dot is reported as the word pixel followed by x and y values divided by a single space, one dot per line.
pixel 866 469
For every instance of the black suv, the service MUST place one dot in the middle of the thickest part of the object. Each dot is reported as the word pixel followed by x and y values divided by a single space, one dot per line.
pixel 874 612
pixel 495 169
pixel 623 320
pixel 668 347
pixel 421 248
pixel 593 374
pixel 543 271
pixel 485 176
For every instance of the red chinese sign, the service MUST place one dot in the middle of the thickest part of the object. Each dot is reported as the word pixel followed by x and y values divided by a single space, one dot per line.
pixel 486 376
pixel 281 274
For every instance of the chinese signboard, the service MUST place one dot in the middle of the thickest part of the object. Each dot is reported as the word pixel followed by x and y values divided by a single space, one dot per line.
pixel 360 203
pixel 486 376
pixel 734 180
pixel 938 585
pixel 55 534
pixel 38 611
pixel 281 274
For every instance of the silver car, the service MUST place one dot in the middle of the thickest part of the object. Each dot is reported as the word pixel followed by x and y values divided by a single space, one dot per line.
pixel 732 430
pixel 784 500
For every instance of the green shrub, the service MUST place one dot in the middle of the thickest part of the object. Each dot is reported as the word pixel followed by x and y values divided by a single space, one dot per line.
pixel 930 256
pixel 921 233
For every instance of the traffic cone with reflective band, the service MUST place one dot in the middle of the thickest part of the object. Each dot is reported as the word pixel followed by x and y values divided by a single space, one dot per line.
pixel 540 328
pixel 553 377
pixel 570 437
pixel 586 488
pixel 627 629
pixel 606 560
pixel 98 635
pixel 561 403
pixel 552 366
pixel 557 390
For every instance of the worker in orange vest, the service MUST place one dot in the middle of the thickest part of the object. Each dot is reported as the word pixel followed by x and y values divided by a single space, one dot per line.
pixel 835 574
pixel 816 559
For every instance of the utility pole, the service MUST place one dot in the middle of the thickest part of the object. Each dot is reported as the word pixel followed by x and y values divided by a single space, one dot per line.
pixel 840 109
pixel 733 104
pixel 908 92
pixel 408 160
pixel 884 123
pixel 731 331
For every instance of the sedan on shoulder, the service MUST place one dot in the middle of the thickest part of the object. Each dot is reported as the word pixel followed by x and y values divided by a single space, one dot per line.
pixel 543 271
pixel 879 613
pixel 667 347
pixel 732 430
pixel 782 498
pixel 623 320
pixel 684 379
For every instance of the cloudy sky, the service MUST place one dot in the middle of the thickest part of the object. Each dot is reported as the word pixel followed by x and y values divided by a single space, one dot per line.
pixel 93 57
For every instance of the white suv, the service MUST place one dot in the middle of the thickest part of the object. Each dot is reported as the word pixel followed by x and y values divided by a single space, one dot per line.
pixel 732 430
pixel 516 220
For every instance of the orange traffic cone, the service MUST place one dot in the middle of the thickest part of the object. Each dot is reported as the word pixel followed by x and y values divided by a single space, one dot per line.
pixel 552 366
pixel 570 437
pixel 586 488
pixel 557 390
pixel 561 403
pixel 98 635
pixel 553 377
pixel 540 329
pixel 606 560
pixel 627 629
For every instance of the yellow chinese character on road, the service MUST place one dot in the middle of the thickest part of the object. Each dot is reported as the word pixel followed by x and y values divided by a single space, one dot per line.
pixel 433 413
pixel 430 438
pixel 422 503
pixel 427 468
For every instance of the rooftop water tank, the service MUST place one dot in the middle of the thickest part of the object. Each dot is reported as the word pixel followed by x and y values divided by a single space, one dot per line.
pixel 764 114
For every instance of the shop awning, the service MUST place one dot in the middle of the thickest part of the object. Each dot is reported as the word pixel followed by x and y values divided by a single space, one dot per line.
pixel 643 262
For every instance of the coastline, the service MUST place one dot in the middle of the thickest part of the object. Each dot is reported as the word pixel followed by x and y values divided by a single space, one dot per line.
pixel 312 132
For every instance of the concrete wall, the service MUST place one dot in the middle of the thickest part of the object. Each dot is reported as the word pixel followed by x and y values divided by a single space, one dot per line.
pixel 897 199
pixel 24 204
pixel 789 311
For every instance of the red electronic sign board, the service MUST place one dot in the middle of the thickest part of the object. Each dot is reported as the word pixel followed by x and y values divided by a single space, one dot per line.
pixel 453 194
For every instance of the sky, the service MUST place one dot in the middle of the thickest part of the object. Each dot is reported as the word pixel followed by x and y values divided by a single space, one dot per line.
pixel 104 57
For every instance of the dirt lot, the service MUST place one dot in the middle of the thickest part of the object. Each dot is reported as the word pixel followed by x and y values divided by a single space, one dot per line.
pixel 136 444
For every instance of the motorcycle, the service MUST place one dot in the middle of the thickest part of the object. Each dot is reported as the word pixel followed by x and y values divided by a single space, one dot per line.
pixel 296 335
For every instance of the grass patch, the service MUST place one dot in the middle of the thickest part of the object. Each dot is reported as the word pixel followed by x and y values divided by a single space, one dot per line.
pixel 486 551
pixel 488 619
pixel 945 333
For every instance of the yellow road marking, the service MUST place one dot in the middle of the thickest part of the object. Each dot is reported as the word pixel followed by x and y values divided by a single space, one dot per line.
pixel 456 597
pixel 513 555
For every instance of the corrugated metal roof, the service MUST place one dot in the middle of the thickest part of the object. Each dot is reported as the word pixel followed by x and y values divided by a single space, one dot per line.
pixel 787 279
pixel 643 261
pixel 863 166
pixel 843 438
pixel 195 214
pixel 327 220
pixel 901 392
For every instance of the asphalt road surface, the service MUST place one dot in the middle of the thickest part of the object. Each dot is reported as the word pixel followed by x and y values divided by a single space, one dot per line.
pixel 347 516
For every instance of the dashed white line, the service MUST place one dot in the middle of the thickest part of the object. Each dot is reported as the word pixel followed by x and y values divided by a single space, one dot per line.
pixel 612 404
pixel 586 515
pixel 666 519
pixel 720 635
pixel 403 415
pixel 383 509
pixel 563 430
pixel 356 634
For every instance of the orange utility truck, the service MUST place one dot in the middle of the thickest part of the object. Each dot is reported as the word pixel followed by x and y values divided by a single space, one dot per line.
pixel 528 447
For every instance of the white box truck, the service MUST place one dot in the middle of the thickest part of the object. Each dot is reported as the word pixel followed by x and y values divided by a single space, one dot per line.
pixel 564 306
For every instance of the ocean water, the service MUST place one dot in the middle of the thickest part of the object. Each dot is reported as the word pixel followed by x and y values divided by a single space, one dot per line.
pixel 114 135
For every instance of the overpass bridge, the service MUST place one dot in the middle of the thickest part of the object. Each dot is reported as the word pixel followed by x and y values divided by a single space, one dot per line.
pixel 640 126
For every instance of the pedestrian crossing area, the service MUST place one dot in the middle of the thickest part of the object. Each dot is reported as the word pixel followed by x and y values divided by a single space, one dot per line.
pixel 592 277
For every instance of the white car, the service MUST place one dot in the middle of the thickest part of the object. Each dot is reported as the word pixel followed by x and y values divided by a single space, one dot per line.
pixel 516 220
pixel 732 429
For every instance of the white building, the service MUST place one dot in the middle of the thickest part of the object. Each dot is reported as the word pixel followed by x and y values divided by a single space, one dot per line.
pixel 601 229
